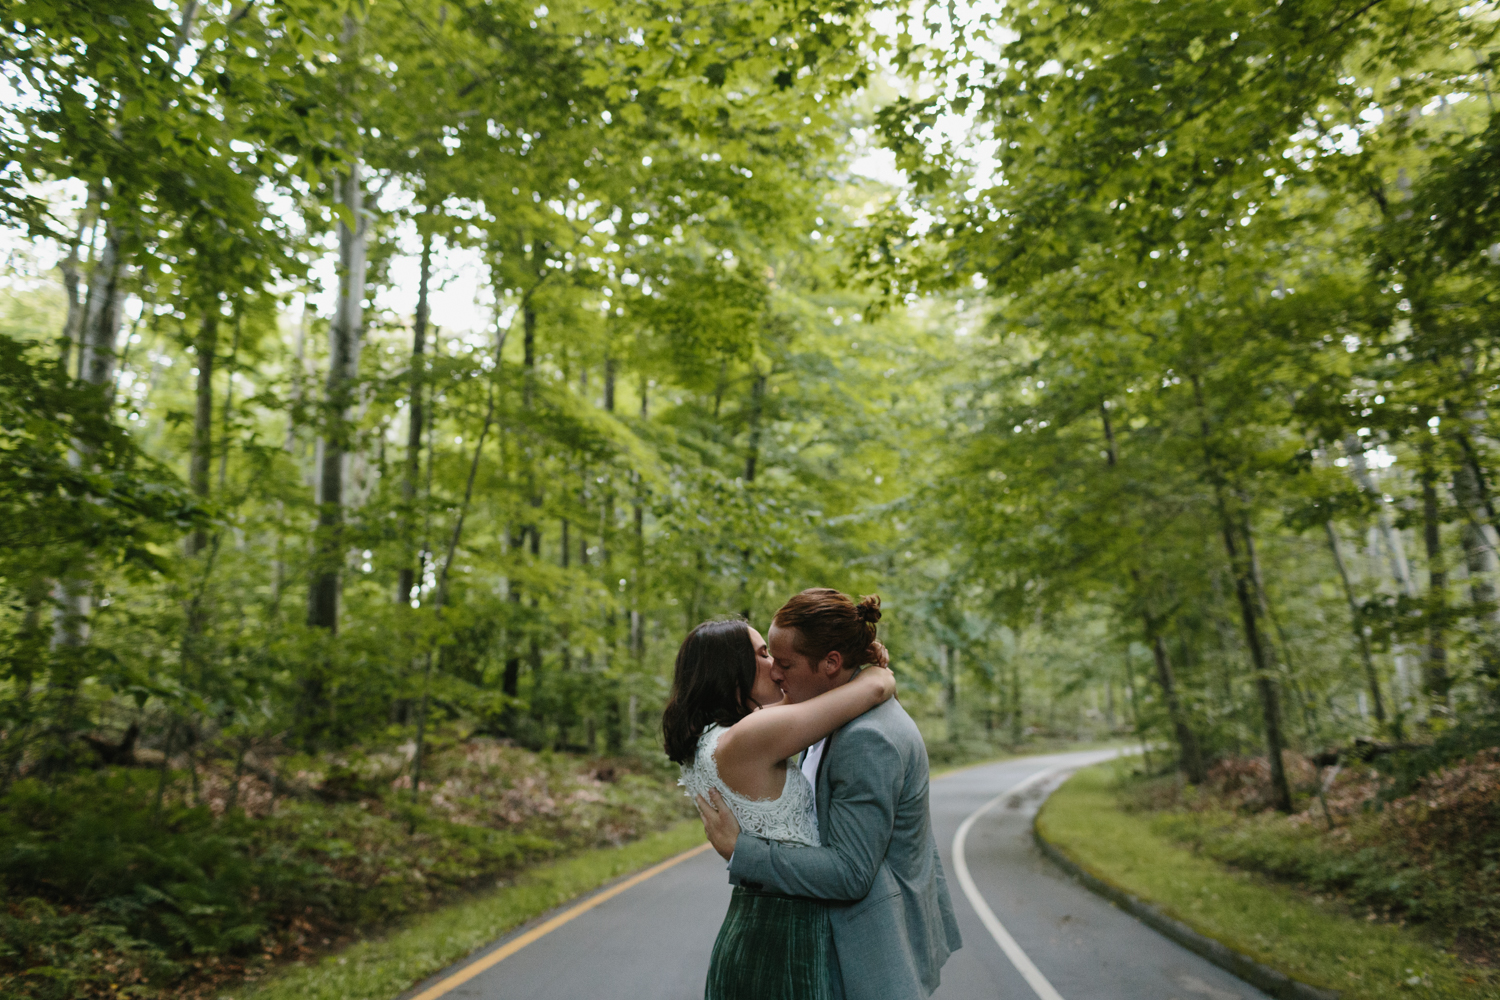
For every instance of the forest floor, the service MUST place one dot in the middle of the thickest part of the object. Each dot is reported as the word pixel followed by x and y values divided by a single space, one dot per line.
pixel 1373 899
pixel 120 883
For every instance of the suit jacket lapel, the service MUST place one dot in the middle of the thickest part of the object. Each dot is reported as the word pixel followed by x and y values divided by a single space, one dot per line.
pixel 821 792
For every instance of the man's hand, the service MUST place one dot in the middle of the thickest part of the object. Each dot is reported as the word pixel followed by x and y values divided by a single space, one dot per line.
pixel 718 822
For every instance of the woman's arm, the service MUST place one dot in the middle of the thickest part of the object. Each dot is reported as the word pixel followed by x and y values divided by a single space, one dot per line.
pixel 773 734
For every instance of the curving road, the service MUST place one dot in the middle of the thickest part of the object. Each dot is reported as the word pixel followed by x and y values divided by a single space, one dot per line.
pixel 652 941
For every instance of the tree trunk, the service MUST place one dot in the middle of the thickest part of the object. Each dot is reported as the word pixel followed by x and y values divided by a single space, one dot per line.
pixel 1361 637
pixel 1193 765
pixel 757 404
pixel 1246 591
pixel 1435 678
pixel 343 367
pixel 101 322
pixel 205 349
pixel 1480 545
pixel 73 322
pixel 226 412
pixel 1395 550
pixel 407 579
pixel 950 691
pixel 96 360
pixel 1265 680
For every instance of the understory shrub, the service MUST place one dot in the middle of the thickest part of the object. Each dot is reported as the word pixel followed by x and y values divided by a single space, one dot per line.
pixel 118 884
pixel 1430 856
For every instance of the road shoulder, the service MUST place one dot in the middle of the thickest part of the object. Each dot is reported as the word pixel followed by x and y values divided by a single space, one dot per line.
pixel 1274 926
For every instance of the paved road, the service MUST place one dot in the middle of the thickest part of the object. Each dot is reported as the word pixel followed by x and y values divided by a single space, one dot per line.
pixel 652 941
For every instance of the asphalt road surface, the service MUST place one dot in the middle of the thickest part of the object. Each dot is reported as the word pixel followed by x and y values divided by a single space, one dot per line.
pixel 652 941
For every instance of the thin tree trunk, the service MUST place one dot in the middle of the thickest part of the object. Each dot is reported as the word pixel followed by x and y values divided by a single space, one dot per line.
pixel 343 366
pixel 1361 637
pixel 757 405
pixel 1436 681
pixel 1193 765
pixel 73 323
pixel 1395 550
pixel 440 599
pixel 101 324
pixel 950 690
pixel 1480 545
pixel 1246 592
pixel 406 580
pixel 226 412
pixel 96 360
pixel 205 351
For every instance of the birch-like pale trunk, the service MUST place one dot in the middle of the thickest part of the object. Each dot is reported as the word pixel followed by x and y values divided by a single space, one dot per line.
pixel 1395 549
pixel 98 334
pixel 1480 542
pixel 343 368
pixel 1436 680
pixel 1361 637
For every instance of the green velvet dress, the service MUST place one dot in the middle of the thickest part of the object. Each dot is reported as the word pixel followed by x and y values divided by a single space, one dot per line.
pixel 773 947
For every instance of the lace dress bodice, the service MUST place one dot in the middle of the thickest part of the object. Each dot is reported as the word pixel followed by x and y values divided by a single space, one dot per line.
pixel 789 818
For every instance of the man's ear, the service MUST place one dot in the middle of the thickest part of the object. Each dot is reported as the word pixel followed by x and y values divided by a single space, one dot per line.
pixel 832 664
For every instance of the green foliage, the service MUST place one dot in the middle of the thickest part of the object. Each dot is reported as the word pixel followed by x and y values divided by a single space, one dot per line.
pixel 156 888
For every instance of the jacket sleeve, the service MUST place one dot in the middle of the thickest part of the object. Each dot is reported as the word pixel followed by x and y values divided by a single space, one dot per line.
pixel 865 776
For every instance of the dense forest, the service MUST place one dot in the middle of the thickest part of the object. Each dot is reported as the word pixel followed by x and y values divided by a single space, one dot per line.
pixel 383 376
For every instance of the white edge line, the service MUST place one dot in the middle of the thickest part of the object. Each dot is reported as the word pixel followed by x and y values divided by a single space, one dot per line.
pixel 1023 963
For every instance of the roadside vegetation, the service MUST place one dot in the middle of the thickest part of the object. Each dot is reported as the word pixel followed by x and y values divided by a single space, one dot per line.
pixel 1387 902
pixel 388 965
pixel 118 883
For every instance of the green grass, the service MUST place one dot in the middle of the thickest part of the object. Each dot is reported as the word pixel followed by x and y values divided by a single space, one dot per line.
pixel 1277 925
pixel 386 967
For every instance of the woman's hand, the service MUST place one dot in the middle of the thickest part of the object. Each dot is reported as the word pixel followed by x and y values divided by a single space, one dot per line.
pixel 880 679
pixel 882 656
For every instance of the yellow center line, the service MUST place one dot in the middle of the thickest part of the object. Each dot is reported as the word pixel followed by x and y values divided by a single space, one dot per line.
pixel 499 955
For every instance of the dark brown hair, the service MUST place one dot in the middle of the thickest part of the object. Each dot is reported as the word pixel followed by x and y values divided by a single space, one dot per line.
pixel 827 621
pixel 712 682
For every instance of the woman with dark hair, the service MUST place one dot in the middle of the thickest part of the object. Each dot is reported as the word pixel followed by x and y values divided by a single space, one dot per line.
pixel 729 727
pixel 875 852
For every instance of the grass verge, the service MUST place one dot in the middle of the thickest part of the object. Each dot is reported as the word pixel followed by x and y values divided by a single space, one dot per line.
pixel 383 968
pixel 1276 925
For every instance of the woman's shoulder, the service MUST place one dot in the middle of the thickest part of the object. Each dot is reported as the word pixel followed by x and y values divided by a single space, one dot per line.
pixel 708 740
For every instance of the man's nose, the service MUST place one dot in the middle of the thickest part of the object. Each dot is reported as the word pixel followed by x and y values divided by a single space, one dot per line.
pixel 777 675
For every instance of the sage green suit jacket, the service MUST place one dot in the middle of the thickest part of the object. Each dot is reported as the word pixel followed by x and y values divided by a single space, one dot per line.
pixel 878 868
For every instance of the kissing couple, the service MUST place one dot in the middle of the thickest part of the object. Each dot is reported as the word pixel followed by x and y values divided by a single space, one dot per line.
pixel 811 780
